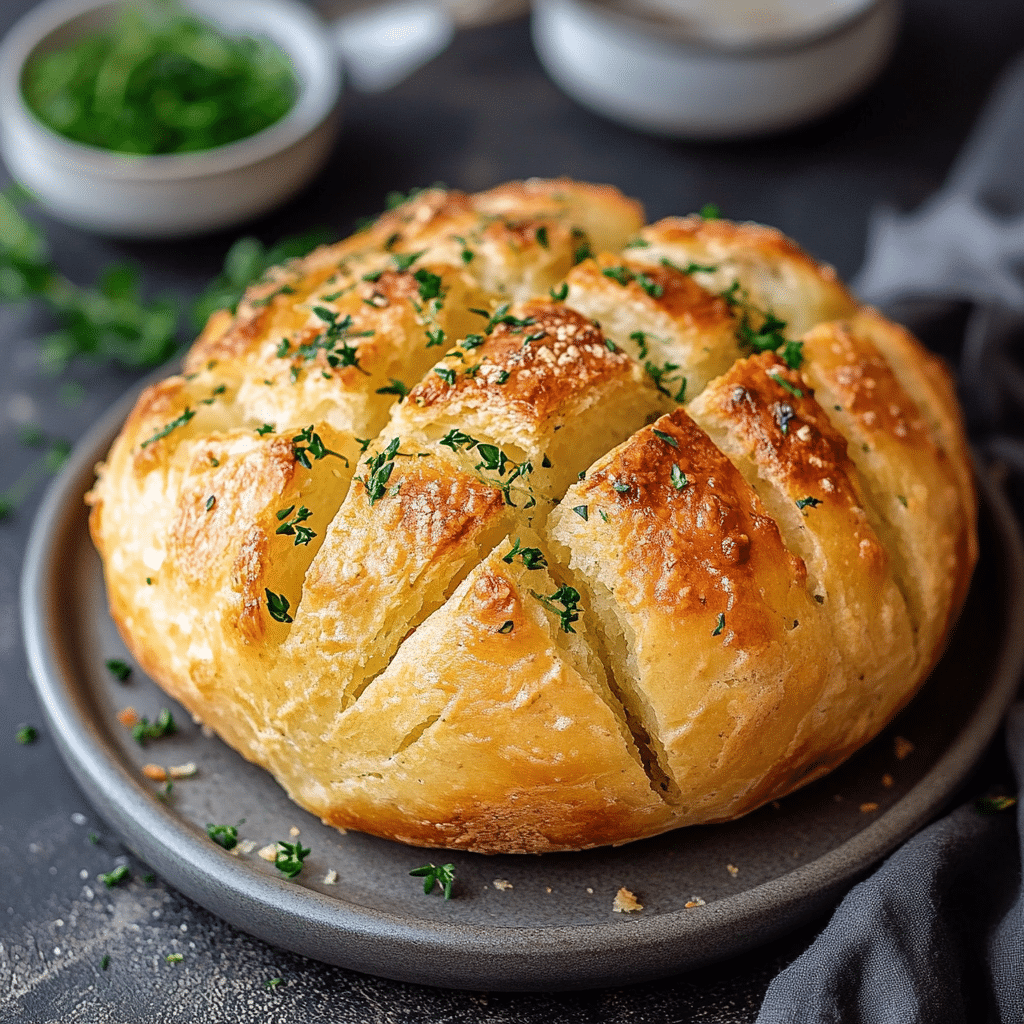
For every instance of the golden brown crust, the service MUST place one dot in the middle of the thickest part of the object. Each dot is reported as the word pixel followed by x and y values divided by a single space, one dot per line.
pixel 476 540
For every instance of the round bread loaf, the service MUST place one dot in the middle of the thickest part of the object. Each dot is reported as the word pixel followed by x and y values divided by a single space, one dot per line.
pixel 512 525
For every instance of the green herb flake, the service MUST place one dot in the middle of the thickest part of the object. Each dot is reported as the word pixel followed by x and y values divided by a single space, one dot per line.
pixel 532 558
pixel 114 877
pixel 289 857
pixel 119 669
pixel 502 377
pixel 690 268
pixel 278 605
pixel 105 961
pixel 291 527
pixel 619 486
pixel 149 581
pixel 560 293
pixel 582 511
pixel 679 480
pixel 721 624
pixel 404 260
pixel 446 374
pixel 902 500
pixel 272 983
pixel 144 730
pixel 994 804
pixel 174 958
pixel 667 438
pixel 306 443
pixel 506 627
pixel 786 385
pixel 223 835
pixel 793 354
pixel 179 421
pixel 808 502
pixel 380 467
pixel 267 428
pixel 210 502
pixel 541 235
pixel 569 598
pixel 429 284
pixel 26 734
pixel 396 387
pixel 432 875
pixel 435 337
pixel 710 211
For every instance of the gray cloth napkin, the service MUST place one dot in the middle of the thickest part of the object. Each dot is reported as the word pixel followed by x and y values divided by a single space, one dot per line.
pixel 935 936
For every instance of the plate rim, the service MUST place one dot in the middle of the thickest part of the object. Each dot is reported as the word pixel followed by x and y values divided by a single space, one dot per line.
pixel 492 957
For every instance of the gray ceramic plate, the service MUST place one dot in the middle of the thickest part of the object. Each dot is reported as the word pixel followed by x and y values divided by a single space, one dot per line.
pixel 513 923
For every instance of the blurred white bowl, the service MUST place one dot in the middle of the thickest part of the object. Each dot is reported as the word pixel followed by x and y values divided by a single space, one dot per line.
pixel 661 77
pixel 174 195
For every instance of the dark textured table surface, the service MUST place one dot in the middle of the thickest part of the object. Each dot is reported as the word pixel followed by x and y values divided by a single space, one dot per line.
pixel 480 113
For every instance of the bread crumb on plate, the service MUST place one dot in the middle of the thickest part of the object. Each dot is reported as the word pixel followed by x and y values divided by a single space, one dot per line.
pixel 625 903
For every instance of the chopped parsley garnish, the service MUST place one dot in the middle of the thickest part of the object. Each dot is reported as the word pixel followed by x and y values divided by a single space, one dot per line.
pixel 179 421
pixel 210 502
pixel 502 316
pixel 119 669
pixel 272 983
pixel 808 502
pixel 292 526
pixel 663 376
pixel 430 284
pixel 443 876
pixel 721 624
pixel 783 383
pixel 532 558
pixel 541 235
pixel 467 254
pixel 223 835
pixel 289 857
pixel 560 293
pixel 395 388
pixel 690 268
pixel 446 374
pixel 267 428
pixel 667 438
pixel 582 250
pixel 114 877
pixel 582 511
pixel 502 377
pixel 623 275
pixel 278 605
pixel 679 480
pixel 765 338
pixel 145 730
pixel 404 260
pixel 641 342
pixel 435 337
pixel 569 598
pixel 637 243
pixel 26 734
pixel 793 354
pixel 618 485
pixel 334 340
pixel 105 962
pixel 456 440
pixel 507 626
pixel 380 467
pixel 710 211
pixel 472 341
pixel 307 443
pixel 174 958
pixel 902 500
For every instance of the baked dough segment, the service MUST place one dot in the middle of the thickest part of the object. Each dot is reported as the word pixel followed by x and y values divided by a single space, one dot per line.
pixel 543 385
pixel 717 648
pixel 491 730
pixel 682 334
pixel 773 273
pixel 921 504
pixel 764 416
pixel 411 527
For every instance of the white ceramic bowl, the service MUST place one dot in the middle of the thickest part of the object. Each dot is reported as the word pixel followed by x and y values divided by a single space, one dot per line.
pixel 652 76
pixel 174 195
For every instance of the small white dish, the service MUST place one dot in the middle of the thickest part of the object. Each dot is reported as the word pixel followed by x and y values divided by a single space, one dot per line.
pixel 682 79
pixel 173 195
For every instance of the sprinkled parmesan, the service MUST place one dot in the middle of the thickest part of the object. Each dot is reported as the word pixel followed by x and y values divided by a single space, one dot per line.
pixel 331 878
pixel 268 852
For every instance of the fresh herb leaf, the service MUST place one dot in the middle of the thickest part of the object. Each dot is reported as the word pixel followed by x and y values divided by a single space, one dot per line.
pixel 679 480
pixel 446 374
pixel 380 467
pixel 532 558
pixel 710 211
pixel 793 354
pixel 144 730
pixel 667 438
pixel 507 626
pixel 395 388
pixel 785 384
pixel 721 624
pixel 291 527
pixel 306 443
pixel 120 670
pixel 582 511
pixel 429 284
pixel 26 734
pixel 663 376
pixel 114 877
pixel 289 857
pixel 569 598
pixel 174 958
pixel 542 236
pixel 267 428
pixel 223 835
pixel 690 268
pixel 105 962
pixel 560 293
pixel 272 983
pixel 210 502
pixel 808 502
pixel 443 876
pixel 179 421
pixel 404 260
pixel 278 605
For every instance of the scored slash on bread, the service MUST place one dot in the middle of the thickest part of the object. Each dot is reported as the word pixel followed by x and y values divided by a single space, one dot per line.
pixel 510 524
